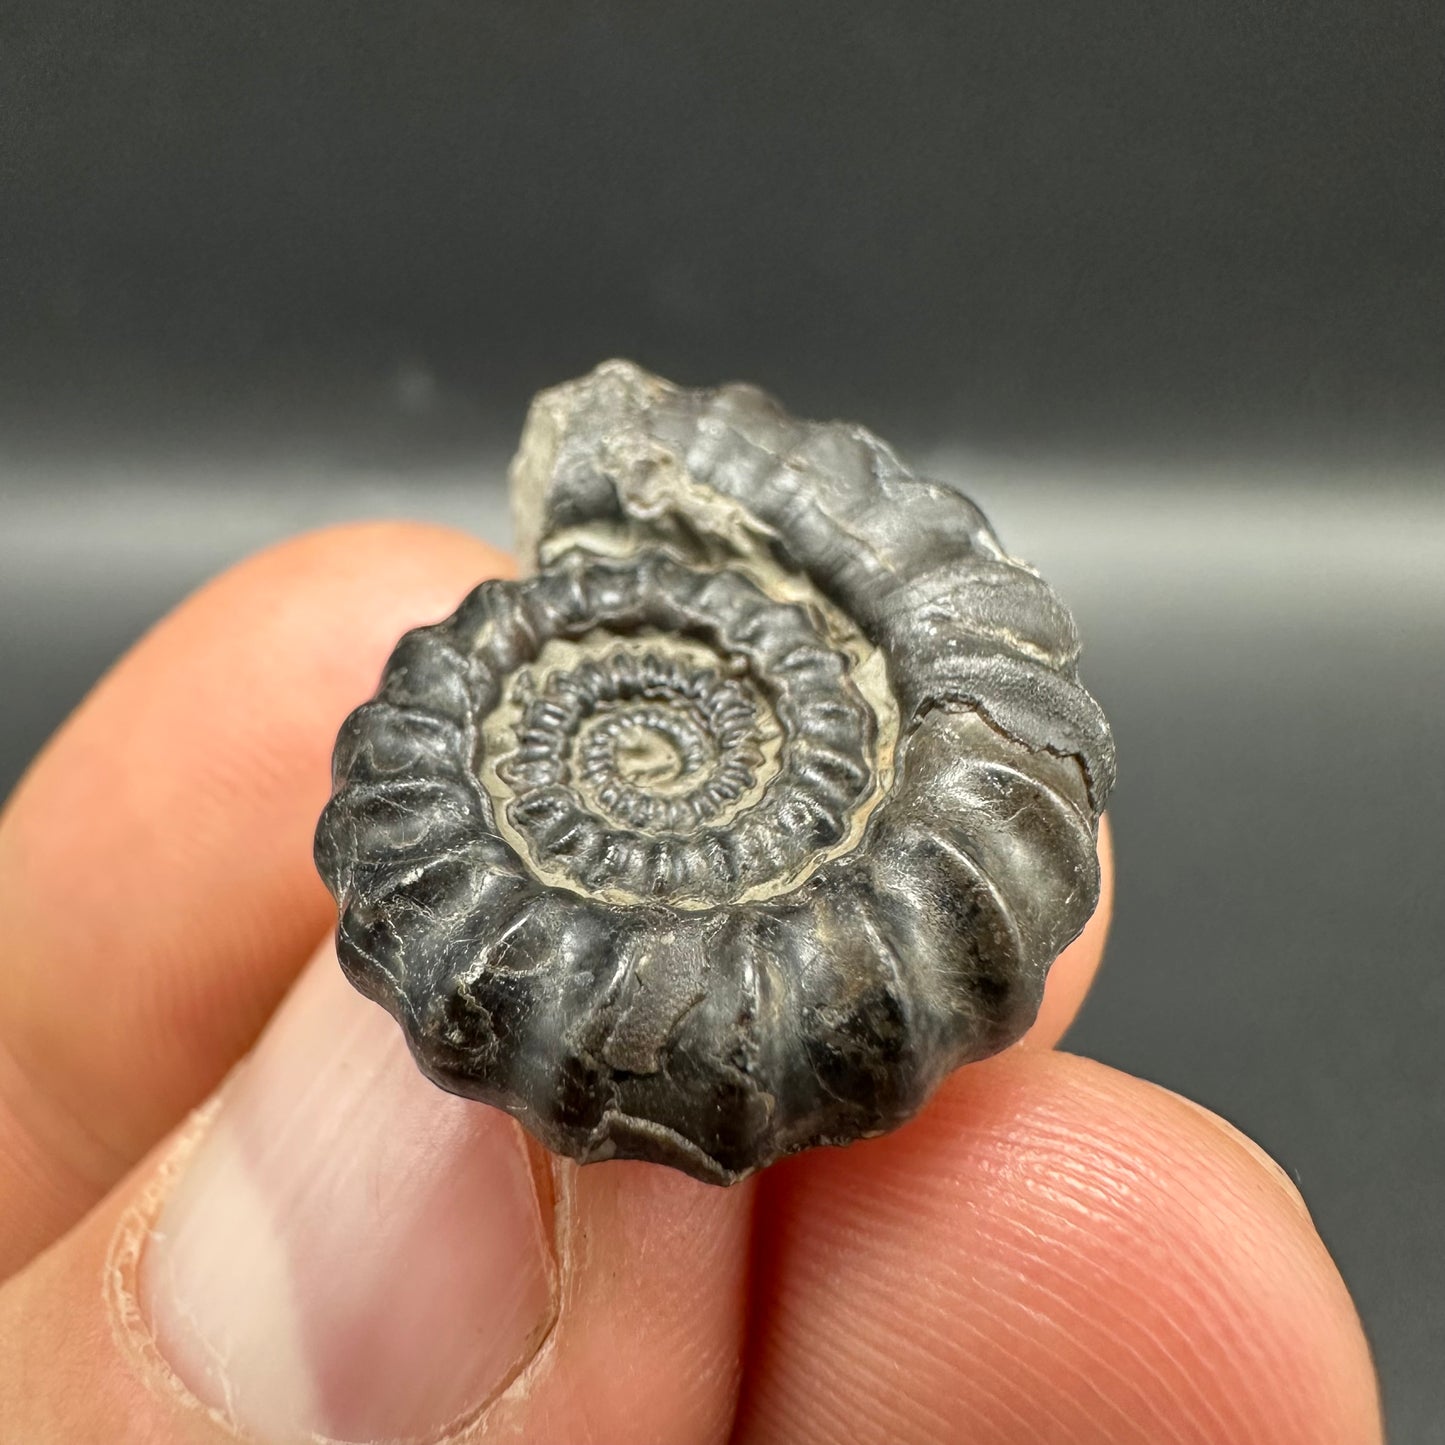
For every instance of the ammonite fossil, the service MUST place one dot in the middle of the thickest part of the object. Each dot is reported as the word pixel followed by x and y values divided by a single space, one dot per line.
pixel 763 803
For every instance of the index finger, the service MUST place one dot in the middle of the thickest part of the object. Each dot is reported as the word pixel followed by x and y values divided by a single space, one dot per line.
pixel 155 863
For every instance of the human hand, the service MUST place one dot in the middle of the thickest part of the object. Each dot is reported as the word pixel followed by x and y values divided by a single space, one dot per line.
pixel 1052 1252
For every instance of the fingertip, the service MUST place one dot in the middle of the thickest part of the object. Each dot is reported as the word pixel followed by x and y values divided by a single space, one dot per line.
pixel 329 604
pixel 372 550
pixel 1073 972
pixel 1054 1250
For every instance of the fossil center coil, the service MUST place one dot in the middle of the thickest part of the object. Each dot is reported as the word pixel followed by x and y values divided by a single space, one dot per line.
pixel 675 735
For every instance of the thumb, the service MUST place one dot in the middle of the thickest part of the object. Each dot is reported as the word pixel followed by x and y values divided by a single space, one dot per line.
pixel 335 1249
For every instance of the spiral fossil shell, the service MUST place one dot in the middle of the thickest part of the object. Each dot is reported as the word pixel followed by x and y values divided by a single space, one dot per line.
pixel 763 803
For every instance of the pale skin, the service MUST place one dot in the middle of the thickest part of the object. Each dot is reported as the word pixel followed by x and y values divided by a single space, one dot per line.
pixel 1052 1252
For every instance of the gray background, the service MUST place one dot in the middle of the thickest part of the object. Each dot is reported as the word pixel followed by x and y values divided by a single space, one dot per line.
pixel 1162 285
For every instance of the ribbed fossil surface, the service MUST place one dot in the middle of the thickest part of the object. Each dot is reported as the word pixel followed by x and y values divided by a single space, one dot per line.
pixel 763 803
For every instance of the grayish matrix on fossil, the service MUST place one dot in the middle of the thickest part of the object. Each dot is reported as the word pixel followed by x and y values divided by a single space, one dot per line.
pixel 766 801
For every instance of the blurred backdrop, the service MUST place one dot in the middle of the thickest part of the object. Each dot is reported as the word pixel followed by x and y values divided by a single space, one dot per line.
pixel 1161 284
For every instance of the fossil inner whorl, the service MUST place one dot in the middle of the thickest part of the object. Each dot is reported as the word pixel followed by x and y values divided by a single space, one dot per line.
pixel 651 733
pixel 673 734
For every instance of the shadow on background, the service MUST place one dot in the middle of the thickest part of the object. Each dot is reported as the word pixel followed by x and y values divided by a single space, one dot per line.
pixel 1161 285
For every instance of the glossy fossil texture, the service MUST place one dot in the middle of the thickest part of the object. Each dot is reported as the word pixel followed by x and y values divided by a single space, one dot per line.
pixel 763 803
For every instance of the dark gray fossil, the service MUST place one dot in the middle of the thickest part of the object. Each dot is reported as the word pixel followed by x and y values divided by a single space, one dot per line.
pixel 766 801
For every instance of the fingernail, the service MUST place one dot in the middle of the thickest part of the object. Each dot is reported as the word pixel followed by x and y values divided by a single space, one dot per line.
pixel 349 1253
